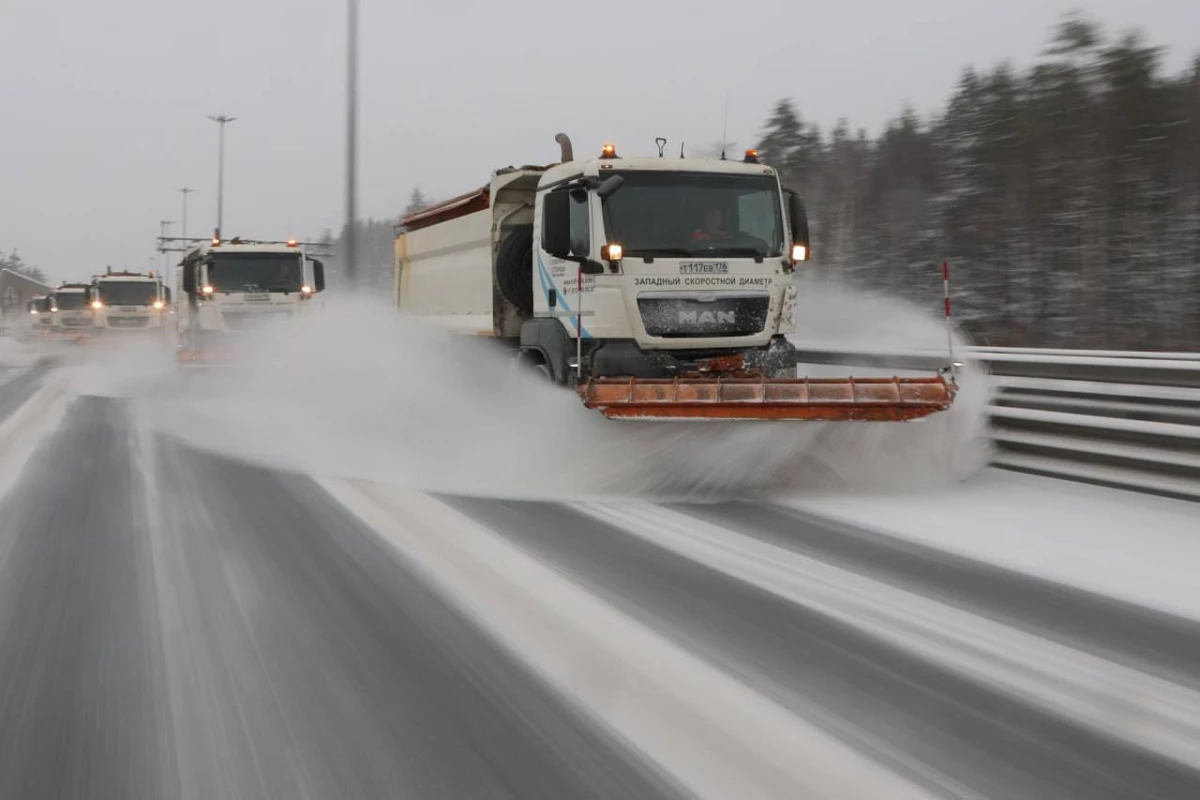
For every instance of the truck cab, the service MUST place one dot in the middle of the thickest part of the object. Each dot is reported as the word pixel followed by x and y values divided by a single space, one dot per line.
pixel 70 311
pixel 40 310
pixel 231 289
pixel 128 302
pixel 609 266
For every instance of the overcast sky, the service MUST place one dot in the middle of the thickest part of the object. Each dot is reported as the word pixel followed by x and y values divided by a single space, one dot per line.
pixel 105 103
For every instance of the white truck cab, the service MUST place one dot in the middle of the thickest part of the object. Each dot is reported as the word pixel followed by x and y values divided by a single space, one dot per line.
pixel 40 310
pixel 69 308
pixel 229 289
pixel 609 266
pixel 125 301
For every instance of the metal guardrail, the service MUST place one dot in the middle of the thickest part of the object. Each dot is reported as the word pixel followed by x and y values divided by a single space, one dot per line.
pixel 1122 419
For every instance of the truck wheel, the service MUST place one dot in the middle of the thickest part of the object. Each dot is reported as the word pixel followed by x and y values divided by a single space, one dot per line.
pixel 514 268
pixel 535 363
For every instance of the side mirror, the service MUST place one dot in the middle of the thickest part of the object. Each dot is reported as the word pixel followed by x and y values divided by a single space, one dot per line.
pixel 798 222
pixel 167 295
pixel 590 267
pixel 610 186
pixel 318 276
pixel 189 278
pixel 556 223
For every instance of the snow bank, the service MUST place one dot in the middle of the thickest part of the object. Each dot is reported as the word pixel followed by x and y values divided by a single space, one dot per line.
pixel 1133 547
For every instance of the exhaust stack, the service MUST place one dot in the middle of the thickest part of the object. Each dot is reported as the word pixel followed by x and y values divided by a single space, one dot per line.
pixel 564 142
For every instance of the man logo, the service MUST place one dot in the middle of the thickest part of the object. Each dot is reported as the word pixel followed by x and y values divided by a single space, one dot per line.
pixel 707 318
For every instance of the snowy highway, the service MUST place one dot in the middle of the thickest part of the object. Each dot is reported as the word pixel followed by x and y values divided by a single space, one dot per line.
pixel 183 619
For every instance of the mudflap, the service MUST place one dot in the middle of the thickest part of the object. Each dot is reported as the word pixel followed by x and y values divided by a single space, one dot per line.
pixel 762 398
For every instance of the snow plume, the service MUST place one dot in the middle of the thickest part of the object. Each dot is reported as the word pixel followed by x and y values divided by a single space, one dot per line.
pixel 15 354
pixel 357 391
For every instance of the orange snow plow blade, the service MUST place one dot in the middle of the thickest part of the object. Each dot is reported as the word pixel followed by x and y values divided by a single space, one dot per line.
pixel 860 399
pixel 211 357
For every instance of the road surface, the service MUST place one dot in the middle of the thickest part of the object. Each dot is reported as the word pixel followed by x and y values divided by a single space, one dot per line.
pixel 179 625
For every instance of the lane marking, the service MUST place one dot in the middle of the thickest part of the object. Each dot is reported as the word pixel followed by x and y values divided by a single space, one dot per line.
pixel 702 726
pixel 1132 706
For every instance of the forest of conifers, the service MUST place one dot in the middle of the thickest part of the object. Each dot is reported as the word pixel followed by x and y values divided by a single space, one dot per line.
pixel 1065 194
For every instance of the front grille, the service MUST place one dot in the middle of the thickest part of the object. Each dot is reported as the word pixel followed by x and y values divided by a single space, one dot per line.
pixel 128 322
pixel 250 320
pixel 77 323
pixel 678 316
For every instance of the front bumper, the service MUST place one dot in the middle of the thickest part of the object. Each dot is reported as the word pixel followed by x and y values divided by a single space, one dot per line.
pixel 623 357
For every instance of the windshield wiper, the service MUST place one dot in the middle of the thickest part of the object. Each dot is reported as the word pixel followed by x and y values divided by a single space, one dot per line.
pixel 651 253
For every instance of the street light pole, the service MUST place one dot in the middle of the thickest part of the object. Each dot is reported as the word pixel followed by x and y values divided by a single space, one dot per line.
pixel 350 245
pixel 221 121
pixel 185 192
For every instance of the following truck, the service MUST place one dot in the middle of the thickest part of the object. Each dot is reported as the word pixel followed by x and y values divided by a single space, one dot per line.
pixel 70 313
pixel 656 288
pixel 128 302
pixel 40 308
pixel 232 289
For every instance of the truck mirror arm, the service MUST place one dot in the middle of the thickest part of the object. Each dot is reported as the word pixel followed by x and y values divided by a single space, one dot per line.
pixel 589 266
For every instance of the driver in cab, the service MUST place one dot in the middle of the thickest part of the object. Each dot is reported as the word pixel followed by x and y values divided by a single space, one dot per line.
pixel 714 228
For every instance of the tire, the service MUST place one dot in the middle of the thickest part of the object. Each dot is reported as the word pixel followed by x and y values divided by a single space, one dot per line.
pixel 533 362
pixel 514 268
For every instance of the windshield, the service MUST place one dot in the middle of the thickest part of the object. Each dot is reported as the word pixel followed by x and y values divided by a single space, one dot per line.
pixel 41 304
pixel 255 272
pixel 69 301
pixel 682 214
pixel 127 293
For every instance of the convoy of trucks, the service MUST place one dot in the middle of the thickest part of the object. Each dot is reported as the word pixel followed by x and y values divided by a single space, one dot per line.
pixel 656 288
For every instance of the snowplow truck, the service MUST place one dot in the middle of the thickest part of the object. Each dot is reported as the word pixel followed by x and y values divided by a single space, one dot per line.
pixel 40 310
pixel 70 313
pixel 126 302
pixel 233 288
pixel 656 288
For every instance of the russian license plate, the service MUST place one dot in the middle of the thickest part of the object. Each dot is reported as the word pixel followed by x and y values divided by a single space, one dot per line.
pixel 704 268
pixel 257 297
